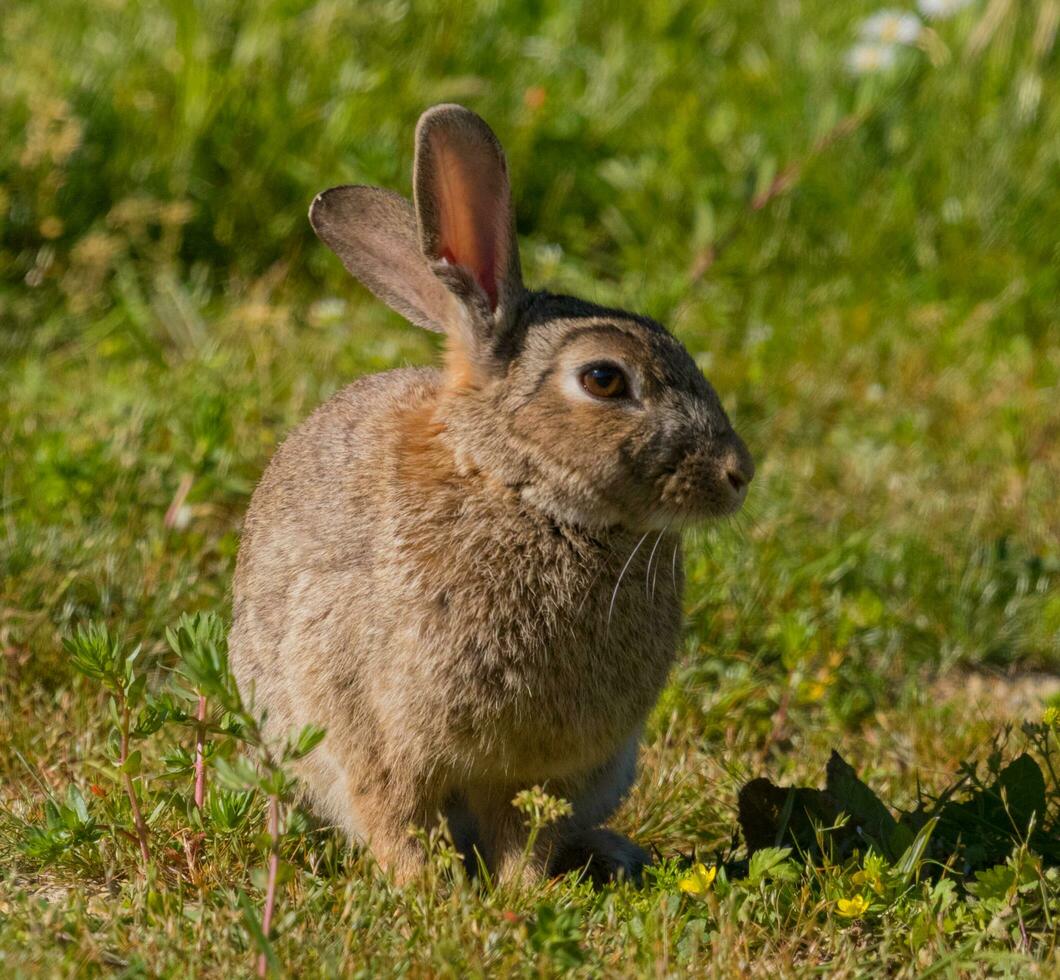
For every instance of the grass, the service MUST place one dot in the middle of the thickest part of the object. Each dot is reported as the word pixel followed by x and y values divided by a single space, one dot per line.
pixel 865 266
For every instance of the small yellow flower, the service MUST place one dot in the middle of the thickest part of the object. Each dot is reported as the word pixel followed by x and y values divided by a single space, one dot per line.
pixel 51 227
pixel 699 881
pixel 852 908
pixel 869 878
pixel 1051 716
pixel 816 690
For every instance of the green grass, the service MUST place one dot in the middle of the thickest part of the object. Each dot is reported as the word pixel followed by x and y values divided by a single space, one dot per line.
pixel 884 328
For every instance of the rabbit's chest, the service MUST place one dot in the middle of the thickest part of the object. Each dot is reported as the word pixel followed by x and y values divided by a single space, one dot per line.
pixel 545 663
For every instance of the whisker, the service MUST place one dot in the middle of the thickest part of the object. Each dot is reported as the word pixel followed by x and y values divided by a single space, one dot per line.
pixel 681 530
pixel 647 571
pixel 655 576
pixel 614 595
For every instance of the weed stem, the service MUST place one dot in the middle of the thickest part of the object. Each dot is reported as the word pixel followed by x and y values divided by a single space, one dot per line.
pixel 200 754
pixel 130 790
pixel 274 867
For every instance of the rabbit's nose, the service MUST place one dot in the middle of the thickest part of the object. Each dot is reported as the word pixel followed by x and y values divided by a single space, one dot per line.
pixel 738 466
pixel 736 478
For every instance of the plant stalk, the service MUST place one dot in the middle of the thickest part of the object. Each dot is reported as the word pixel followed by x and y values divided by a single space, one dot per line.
pixel 783 182
pixel 200 754
pixel 130 790
pixel 274 868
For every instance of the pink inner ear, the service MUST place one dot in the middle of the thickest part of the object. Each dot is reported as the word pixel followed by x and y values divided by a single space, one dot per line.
pixel 483 274
pixel 471 196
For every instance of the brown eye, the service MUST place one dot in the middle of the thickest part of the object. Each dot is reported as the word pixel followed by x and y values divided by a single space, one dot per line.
pixel 604 381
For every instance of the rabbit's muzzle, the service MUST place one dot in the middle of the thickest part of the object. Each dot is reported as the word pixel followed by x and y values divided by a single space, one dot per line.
pixel 710 480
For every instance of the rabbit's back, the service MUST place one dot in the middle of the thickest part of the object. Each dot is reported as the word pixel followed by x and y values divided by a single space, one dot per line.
pixel 306 552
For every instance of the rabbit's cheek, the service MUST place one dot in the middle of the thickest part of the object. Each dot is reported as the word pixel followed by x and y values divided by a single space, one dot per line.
pixel 597 483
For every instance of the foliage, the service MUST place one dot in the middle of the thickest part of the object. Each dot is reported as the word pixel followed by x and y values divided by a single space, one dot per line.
pixel 66 828
pixel 970 834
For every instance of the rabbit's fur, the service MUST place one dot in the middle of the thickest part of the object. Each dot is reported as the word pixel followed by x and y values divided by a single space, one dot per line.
pixel 471 576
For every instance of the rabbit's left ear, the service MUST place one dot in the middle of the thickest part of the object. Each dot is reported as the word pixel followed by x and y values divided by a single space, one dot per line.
pixel 464 208
pixel 375 234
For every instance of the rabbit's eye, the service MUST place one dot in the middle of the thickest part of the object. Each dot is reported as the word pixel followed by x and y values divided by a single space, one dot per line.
pixel 604 381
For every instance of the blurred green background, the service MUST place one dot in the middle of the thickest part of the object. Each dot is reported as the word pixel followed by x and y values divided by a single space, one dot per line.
pixel 859 245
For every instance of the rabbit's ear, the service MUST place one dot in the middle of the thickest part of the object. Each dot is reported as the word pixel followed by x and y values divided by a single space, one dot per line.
pixel 374 232
pixel 464 205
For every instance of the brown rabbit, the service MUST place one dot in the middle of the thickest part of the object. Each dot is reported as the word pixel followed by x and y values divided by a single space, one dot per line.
pixel 447 568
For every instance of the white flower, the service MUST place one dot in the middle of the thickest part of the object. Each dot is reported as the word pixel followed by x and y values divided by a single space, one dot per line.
pixel 864 59
pixel 550 255
pixel 328 309
pixel 941 9
pixel 891 27
pixel 182 517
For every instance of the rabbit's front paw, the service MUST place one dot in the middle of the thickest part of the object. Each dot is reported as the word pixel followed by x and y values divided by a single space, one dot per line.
pixel 603 855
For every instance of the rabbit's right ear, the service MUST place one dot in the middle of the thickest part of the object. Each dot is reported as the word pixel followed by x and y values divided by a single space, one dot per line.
pixel 375 233
pixel 464 204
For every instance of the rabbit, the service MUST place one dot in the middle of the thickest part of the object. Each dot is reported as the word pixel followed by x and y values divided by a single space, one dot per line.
pixel 456 571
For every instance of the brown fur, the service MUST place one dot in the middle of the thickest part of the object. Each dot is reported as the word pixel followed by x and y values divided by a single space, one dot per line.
pixel 471 576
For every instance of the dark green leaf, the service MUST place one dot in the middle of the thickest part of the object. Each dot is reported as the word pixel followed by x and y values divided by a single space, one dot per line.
pixel 1022 786
pixel 871 818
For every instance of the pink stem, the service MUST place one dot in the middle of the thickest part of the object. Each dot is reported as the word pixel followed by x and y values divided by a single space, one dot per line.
pixel 130 789
pixel 200 754
pixel 792 173
pixel 173 511
pixel 781 184
pixel 274 868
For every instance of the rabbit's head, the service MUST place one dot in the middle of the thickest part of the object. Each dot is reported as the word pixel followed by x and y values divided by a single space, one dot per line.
pixel 598 417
